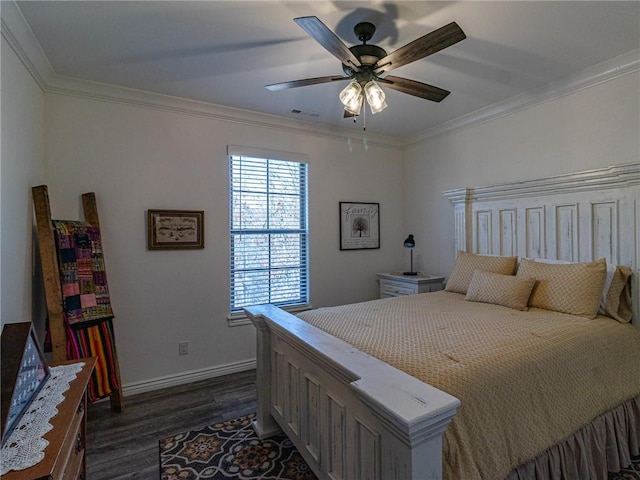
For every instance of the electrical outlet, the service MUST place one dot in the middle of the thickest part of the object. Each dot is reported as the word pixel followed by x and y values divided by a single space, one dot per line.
pixel 183 348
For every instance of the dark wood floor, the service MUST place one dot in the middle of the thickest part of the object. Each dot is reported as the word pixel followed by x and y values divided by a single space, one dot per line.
pixel 123 446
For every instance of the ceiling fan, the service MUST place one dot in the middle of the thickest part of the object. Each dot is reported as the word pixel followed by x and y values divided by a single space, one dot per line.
pixel 366 64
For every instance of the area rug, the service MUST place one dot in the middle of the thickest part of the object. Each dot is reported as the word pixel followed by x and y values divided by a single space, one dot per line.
pixel 630 473
pixel 231 450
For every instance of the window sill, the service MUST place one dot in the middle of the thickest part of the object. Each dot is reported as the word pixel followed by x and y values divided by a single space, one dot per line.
pixel 240 319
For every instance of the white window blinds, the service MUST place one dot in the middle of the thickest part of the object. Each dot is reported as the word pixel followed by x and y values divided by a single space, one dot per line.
pixel 268 203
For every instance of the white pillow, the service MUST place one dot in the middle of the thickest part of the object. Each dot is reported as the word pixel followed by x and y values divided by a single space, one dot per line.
pixel 611 270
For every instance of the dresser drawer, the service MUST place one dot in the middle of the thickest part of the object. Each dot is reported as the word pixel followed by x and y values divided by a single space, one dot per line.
pixel 74 466
pixel 393 289
pixel 73 447
pixel 431 287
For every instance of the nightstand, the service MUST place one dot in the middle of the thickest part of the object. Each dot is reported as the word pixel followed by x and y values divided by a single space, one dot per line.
pixel 394 284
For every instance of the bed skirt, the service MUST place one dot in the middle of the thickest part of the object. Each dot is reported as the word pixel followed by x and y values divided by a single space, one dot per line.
pixel 604 445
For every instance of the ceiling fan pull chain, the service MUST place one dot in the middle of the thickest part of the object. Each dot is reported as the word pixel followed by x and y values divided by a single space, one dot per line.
pixel 364 117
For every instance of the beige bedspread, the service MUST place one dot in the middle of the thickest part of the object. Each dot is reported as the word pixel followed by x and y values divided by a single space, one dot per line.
pixel 526 380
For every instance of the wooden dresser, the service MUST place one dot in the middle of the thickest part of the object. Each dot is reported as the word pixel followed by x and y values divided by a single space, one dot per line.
pixel 64 457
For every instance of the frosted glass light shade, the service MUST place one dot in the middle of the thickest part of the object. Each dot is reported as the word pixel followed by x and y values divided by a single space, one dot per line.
pixel 375 97
pixel 352 98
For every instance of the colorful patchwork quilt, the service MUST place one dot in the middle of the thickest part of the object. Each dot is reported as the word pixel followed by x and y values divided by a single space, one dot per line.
pixel 83 279
pixel 86 303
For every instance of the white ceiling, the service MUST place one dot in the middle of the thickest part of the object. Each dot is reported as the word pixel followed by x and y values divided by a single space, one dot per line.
pixel 225 52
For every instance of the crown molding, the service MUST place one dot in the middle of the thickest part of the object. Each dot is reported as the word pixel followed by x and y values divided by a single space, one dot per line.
pixel 606 71
pixel 19 36
pixel 21 39
pixel 17 32
pixel 75 87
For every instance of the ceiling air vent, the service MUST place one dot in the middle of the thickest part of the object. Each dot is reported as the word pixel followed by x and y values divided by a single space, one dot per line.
pixel 304 113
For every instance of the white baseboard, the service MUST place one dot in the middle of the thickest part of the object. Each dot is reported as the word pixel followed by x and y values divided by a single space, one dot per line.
pixel 186 377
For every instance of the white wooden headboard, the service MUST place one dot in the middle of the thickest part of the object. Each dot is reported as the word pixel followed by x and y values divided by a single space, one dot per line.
pixel 577 217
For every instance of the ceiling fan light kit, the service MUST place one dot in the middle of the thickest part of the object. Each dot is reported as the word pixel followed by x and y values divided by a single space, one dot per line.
pixel 351 97
pixel 365 64
pixel 375 97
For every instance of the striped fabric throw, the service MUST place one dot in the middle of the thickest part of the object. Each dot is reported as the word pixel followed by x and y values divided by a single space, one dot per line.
pixel 86 302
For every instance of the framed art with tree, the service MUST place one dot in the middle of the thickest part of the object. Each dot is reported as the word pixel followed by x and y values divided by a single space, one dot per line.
pixel 359 225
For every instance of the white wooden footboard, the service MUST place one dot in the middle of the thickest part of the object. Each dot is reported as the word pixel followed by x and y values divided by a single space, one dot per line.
pixel 350 415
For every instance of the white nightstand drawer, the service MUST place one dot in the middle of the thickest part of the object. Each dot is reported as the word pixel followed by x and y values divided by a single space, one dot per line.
pixel 388 287
pixel 394 284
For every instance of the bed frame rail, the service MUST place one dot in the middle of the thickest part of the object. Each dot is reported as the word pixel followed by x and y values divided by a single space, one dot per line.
pixel 350 415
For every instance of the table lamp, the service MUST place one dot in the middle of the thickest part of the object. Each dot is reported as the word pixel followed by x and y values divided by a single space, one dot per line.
pixel 410 243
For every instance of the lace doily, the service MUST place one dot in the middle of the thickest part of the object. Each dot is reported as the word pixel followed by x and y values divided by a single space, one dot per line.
pixel 25 445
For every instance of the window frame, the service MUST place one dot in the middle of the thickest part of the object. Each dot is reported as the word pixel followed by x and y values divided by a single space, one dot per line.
pixel 235 154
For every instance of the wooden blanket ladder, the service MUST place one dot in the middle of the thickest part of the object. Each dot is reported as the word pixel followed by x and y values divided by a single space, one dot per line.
pixel 51 276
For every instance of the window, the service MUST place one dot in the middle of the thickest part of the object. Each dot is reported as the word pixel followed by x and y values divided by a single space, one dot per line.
pixel 268 204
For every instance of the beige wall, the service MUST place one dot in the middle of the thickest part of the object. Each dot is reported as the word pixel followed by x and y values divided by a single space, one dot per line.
pixel 137 158
pixel 594 127
pixel 22 167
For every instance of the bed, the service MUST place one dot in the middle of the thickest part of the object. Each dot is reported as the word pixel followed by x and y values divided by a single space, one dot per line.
pixel 360 409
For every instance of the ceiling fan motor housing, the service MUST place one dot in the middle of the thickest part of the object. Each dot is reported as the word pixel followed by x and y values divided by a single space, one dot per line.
pixel 368 56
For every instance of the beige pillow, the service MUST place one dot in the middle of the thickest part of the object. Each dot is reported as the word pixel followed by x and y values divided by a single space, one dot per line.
pixel 618 303
pixel 506 290
pixel 611 271
pixel 573 288
pixel 468 263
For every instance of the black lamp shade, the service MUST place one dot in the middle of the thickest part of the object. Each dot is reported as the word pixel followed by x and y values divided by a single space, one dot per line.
pixel 409 242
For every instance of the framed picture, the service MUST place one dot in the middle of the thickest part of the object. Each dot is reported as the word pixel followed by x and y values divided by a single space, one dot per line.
pixel 175 229
pixel 24 373
pixel 359 225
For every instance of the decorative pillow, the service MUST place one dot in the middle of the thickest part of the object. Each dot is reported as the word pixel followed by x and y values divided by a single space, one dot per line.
pixel 611 270
pixel 618 303
pixel 467 263
pixel 573 288
pixel 506 290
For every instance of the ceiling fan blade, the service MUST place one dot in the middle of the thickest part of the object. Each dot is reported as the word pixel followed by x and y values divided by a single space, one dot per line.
pixel 422 47
pixel 325 37
pixel 417 89
pixel 275 87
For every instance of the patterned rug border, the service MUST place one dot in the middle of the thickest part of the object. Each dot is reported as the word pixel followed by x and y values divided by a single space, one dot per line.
pixel 231 450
